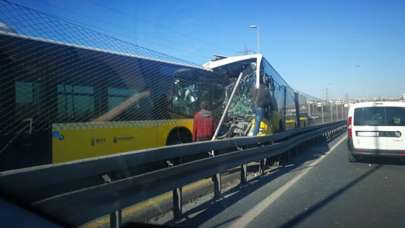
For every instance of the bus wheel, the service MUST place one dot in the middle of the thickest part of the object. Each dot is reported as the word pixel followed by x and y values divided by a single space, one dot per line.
pixel 178 136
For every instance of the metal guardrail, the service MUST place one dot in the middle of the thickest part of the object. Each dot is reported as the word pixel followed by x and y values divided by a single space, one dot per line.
pixel 75 192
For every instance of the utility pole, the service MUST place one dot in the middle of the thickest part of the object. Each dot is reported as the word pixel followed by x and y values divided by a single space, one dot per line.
pixel 323 117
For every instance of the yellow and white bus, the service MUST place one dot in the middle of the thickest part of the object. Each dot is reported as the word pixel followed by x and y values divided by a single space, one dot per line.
pixel 287 108
pixel 61 102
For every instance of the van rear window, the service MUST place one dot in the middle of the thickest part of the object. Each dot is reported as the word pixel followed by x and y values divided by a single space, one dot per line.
pixel 379 116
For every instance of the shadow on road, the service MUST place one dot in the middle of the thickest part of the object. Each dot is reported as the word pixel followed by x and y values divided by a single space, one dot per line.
pixel 300 217
pixel 211 208
pixel 383 160
pixel 227 221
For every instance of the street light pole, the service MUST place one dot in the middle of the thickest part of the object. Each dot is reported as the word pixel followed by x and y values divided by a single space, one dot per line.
pixel 336 111
pixel 257 37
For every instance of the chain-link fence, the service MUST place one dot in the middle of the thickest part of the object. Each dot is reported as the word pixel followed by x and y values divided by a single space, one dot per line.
pixel 18 19
pixel 63 83
pixel 69 92
pixel 323 111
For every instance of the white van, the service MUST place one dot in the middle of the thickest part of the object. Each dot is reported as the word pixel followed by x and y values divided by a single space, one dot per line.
pixel 376 129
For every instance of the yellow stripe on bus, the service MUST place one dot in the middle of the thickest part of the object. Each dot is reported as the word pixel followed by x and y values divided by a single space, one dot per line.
pixel 72 141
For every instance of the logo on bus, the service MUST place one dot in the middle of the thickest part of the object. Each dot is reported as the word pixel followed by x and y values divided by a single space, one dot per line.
pixel 58 135
pixel 118 139
pixel 97 141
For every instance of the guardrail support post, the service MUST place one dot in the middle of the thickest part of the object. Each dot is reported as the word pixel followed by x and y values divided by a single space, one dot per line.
pixel 262 166
pixel 177 203
pixel 243 174
pixel 115 219
pixel 216 179
pixel 177 195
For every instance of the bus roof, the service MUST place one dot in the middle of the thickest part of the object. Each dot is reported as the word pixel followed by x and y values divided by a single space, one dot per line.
pixel 133 55
pixel 224 61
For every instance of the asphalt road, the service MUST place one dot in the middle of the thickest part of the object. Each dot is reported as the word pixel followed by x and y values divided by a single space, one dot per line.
pixel 319 188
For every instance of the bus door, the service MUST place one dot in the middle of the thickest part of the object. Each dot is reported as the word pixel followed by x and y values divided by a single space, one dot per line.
pixel 29 143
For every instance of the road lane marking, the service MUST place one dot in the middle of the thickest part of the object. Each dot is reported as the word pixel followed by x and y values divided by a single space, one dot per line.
pixel 257 210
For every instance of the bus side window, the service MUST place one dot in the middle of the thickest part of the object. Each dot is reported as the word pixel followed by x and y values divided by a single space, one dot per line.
pixel 75 103
pixel 128 108
pixel 26 99
pixel 118 95
pixel 24 93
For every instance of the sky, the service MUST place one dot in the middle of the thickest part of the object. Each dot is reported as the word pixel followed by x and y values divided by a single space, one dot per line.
pixel 349 48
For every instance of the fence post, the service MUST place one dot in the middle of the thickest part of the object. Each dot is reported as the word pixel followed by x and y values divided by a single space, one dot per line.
pixel 243 174
pixel 177 195
pixel 270 161
pixel 177 203
pixel 262 166
pixel 284 107
pixel 297 110
pixel 115 219
pixel 216 179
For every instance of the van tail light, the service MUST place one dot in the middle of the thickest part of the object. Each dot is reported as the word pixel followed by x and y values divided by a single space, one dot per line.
pixel 349 127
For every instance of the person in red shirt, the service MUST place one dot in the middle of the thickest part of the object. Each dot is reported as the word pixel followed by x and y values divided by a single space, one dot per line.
pixel 204 124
